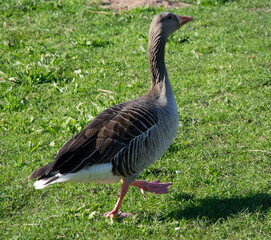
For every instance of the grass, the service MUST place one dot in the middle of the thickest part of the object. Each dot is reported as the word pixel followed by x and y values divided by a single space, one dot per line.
pixel 62 62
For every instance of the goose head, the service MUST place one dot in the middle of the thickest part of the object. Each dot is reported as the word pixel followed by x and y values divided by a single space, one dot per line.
pixel 166 23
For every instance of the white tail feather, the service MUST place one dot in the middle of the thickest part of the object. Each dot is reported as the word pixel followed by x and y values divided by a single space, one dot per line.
pixel 41 183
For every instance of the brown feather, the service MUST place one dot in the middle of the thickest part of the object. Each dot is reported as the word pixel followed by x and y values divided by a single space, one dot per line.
pixel 109 133
pixel 39 172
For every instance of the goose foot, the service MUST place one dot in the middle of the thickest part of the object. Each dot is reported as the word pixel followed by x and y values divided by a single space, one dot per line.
pixel 155 187
pixel 119 215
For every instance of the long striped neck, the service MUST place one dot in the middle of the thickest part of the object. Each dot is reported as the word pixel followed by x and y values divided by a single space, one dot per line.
pixel 158 69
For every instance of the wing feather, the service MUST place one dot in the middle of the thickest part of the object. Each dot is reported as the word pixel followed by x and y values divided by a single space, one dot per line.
pixel 108 134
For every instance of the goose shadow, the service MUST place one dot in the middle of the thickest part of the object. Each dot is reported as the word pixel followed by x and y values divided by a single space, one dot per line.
pixel 215 208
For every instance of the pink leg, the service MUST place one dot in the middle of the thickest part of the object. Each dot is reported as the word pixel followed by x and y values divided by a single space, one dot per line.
pixel 155 187
pixel 115 212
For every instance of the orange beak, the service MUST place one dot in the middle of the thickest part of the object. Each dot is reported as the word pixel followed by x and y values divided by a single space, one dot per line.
pixel 184 20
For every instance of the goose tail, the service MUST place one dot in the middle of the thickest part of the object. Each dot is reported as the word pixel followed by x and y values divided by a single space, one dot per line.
pixel 42 183
pixel 44 179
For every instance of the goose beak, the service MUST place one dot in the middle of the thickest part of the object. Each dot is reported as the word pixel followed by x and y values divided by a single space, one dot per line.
pixel 184 20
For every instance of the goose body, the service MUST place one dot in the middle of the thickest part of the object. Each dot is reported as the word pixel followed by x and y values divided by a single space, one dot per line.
pixel 149 137
pixel 124 139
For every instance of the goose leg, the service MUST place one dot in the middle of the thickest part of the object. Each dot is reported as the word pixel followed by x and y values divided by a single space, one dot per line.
pixel 115 212
pixel 155 187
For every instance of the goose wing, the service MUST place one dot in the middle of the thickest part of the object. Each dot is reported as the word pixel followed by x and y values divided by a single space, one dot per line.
pixel 103 138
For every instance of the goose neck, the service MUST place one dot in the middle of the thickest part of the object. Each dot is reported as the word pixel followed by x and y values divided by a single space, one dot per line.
pixel 157 58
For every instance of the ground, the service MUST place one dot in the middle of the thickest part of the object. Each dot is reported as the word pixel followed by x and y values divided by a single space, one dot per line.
pixel 128 4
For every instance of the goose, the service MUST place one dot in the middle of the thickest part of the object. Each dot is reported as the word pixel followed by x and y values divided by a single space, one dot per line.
pixel 123 140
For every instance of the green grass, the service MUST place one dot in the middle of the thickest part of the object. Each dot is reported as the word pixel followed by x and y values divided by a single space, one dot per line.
pixel 57 57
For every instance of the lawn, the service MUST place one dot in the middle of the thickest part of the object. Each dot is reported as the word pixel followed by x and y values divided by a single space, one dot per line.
pixel 62 62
